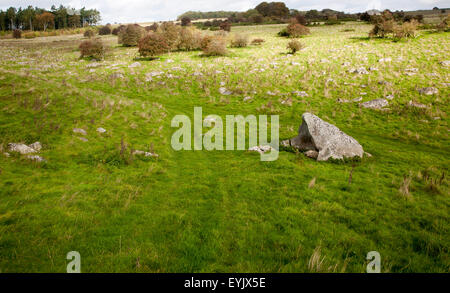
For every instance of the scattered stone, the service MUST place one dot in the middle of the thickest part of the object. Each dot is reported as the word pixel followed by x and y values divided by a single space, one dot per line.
pixel 38 159
pixel 93 65
pixel 360 70
pixel 134 65
pixel 300 93
pixel 375 104
pixel 83 139
pixel 247 99
pixel 224 91
pixel 116 75
pixel 7 155
pixel 145 154
pixel 101 130
pixel 373 69
pixel 445 63
pixel 417 105
pixel 326 139
pixel 346 64
pixel 429 91
pixel 261 149
pixel 383 82
pixel 385 60
pixel 20 148
pixel 36 146
pixel 367 155
pixel 312 154
pixel 80 131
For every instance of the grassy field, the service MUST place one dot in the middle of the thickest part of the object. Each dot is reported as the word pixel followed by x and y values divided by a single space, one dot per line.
pixel 224 211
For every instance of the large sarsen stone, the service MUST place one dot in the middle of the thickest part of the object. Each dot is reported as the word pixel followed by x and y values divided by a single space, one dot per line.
pixel 317 135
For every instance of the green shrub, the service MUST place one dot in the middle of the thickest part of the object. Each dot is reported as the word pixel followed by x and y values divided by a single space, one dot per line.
pixel 217 46
pixel 152 45
pixel 239 41
pixel 92 49
pixel 130 35
pixel 294 46
pixel 283 33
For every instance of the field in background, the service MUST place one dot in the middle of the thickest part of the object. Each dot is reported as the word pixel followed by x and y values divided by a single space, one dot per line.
pixel 224 211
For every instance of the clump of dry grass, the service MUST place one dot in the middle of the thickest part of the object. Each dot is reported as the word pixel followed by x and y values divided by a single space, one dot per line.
pixel 316 261
pixel 404 187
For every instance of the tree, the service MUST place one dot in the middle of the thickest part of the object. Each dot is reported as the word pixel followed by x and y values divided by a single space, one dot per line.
pixel 11 14
pixel 29 15
pixel 45 19
pixel 3 20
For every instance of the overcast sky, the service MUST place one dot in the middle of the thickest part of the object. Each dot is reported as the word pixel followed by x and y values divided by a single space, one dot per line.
pixel 124 11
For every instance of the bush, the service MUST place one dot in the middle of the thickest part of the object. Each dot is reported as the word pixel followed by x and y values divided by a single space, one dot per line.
pixel 153 27
pixel 152 45
pixel 382 28
pixel 257 41
pixel 205 41
pixel 294 46
pixel 296 30
pixel 116 30
pixel 92 49
pixel 190 39
pixel 89 34
pixel 225 26
pixel 217 46
pixel 171 33
pixel 283 33
pixel 130 35
pixel 239 41
pixel 17 34
pixel 444 25
pixel 29 35
pixel 185 21
pixel 104 30
pixel 406 30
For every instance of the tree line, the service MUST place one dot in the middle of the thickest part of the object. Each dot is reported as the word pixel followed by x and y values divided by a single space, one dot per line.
pixel 34 18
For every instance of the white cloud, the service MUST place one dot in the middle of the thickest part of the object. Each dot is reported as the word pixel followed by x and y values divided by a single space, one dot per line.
pixel 148 10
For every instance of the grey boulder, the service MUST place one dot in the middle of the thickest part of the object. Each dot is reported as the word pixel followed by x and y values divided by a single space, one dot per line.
pixel 329 141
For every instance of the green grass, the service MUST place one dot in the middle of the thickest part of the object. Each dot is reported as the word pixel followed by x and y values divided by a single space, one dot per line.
pixel 223 211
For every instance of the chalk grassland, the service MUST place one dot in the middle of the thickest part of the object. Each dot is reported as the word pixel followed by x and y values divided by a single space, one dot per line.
pixel 224 211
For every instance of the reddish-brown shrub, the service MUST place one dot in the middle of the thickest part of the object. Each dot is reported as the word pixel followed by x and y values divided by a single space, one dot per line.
pixel 17 34
pixel 257 41
pixel 116 30
pixel 152 45
pixel 89 33
pixel 104 30
pixel 225 26
pixel 296 30
pixel 92 49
